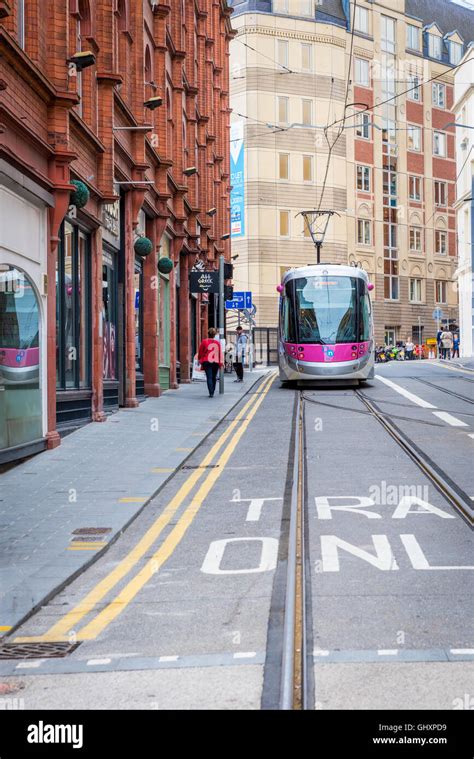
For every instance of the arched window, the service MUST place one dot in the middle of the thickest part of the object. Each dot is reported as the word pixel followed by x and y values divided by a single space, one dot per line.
pixel 169 122
pixel 21 23
pixel 148 73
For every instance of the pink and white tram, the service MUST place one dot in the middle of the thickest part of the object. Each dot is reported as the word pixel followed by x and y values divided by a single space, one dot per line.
pixel 325 326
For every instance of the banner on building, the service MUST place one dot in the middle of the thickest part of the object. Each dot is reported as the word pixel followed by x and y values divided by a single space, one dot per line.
pixel 237 198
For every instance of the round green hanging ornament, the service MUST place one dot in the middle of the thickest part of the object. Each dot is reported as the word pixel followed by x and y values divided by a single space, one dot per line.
pixel 143 246
pixel 165 265
pixel 80 196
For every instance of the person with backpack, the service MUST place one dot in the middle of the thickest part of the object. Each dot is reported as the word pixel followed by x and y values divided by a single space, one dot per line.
pixel 447 343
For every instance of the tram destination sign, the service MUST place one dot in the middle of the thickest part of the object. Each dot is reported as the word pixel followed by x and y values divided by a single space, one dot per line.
pixel 204 281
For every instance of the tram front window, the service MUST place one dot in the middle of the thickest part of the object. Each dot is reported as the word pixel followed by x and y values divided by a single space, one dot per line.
pixel 326 310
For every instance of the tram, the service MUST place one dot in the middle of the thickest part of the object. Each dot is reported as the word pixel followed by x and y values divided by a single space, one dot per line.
pixel 326 328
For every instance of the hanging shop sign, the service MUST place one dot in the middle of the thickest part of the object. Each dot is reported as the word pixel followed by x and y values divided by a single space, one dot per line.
pixel 204 282
pixel 111 218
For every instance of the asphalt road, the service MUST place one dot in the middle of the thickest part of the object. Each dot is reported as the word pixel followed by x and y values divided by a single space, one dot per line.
pixel 185 610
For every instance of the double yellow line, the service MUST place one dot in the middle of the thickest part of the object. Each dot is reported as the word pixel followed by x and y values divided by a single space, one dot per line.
pixel 70 621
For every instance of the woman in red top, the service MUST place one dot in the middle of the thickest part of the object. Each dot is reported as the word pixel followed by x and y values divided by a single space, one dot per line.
pixel 210 358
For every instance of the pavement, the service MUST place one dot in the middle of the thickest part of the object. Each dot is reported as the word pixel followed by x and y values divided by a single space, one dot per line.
pixel 60 510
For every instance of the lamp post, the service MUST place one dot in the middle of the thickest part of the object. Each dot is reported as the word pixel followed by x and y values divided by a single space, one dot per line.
pixel 318 233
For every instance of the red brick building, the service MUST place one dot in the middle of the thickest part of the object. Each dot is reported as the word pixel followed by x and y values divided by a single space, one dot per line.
pixel 122 97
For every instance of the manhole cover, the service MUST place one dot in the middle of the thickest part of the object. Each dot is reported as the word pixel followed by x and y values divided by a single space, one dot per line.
pixel 91 530
pixel 36 650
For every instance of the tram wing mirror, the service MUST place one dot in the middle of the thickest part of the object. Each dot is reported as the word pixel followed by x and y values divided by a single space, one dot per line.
pixel 370 286
pixel 280 288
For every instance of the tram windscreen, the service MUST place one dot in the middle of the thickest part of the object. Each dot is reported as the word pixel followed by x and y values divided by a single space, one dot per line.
pixel 326 309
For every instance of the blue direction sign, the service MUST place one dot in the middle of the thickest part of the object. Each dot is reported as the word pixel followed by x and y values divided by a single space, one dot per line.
pixel 240 300
pixel 437 314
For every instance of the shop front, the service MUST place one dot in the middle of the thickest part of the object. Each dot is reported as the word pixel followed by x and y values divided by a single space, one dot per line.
pixel 23 284
pixel 73 327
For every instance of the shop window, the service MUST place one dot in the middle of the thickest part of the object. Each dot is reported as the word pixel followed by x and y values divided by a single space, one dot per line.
pixel 109 314
pixel 20 359
pixel 73 309
pixel 138 305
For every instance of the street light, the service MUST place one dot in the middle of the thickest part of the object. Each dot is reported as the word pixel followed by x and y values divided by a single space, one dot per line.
pixel 317 233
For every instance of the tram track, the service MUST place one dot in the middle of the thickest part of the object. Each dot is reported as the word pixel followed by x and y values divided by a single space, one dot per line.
pixel 444 390
pixel 459 500
pixel 296 687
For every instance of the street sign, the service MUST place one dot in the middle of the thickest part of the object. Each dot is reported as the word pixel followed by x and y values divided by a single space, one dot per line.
pixel 437 314
pixel 240 300
pixel 204 282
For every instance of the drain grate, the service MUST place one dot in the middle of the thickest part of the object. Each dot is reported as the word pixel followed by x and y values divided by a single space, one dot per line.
pixel 36 650
pixel 92 530
pixel 202 466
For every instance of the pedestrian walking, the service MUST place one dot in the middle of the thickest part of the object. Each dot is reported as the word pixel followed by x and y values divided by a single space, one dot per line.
pixel 438 343
pixel 455 346
pixel 240 349
pixel 409 348
pixel 447 343
pixel 210 358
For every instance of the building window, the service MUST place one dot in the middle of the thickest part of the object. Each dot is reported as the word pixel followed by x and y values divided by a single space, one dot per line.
pixel 307 109
pixel 73 309
pixel 306 57
pixel 440 290
pixel 414 138
pixel 439 144
pixel 439 95
pixel 282 52
pixel 363 126
pixel 361 20
pixel 284 223
pixel 434 46
pixel 364 236
pixel 441 193
pixel 280 6
pixel 388 34
pixel 362 72
pixel 415 290
pixel 441 243
pixel 414 188
pixel 363 178
pixel 283 166
pixel 416 239
pixel 455 52
pixel 391 335
pixel 283 110
pixel 21 23
pixel 391 281
pixel 306 8
pixel 307 168
pixel 413 37
pixel 414 89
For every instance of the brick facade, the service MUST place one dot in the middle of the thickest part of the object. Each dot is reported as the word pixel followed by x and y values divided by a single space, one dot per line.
pixel 58 125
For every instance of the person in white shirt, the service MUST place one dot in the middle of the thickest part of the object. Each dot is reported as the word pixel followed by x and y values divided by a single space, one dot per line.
pixel 240 349
pixel 409 348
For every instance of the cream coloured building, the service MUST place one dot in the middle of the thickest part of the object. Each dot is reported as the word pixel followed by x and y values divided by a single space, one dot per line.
pixel 391 172
pixel 463 110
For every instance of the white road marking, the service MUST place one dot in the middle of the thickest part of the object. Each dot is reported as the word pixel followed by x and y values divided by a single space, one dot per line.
pixel 245 654
pixel 471 434
pixel 168 658
pixel 29 664
pixel 406 393
pixel 462 651
pixel 94 662
pixel 320 652
pixel 387 651
pixel 213 559
pixel 449 419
